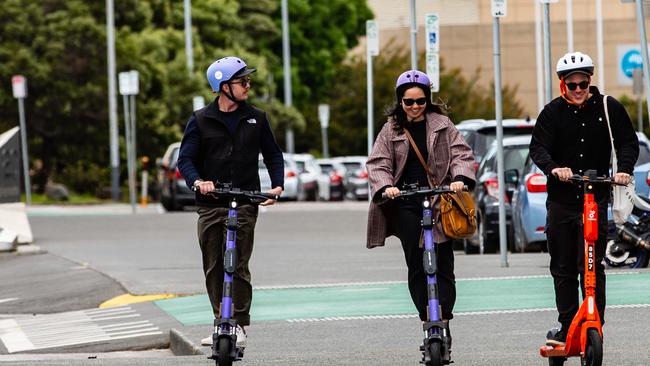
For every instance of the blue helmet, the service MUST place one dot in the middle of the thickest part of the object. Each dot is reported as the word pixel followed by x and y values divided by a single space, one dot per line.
pixel 225 69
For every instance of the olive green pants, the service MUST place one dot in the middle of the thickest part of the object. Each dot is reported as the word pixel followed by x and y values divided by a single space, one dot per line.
pixel 212 240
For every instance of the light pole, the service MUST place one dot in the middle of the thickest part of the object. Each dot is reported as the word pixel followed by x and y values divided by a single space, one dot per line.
pixel 112 101
pixel 286 63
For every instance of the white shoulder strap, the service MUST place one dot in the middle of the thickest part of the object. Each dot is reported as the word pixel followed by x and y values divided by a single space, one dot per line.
pixel 611 137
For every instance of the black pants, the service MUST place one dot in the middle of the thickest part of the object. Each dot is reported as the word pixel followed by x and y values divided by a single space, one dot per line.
pixel 408 216
pixel 564 232
pixel 212 239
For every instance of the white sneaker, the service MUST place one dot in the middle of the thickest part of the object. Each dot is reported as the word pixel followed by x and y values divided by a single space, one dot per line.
pixel 207 341
pixel 241 338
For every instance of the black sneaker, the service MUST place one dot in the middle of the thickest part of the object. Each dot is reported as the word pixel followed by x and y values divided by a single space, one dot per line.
pixel 556 337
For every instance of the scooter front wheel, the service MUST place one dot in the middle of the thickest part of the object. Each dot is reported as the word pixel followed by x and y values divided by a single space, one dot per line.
pixel 435 354
pixel 223 355
pixel 594 351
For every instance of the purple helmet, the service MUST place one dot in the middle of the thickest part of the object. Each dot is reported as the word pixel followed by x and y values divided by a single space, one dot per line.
pixel 226 69
pixel 413 76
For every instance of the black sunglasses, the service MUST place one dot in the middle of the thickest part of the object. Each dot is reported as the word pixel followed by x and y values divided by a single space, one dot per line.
pixel 409 102
pixel 245 81
pixel 583 85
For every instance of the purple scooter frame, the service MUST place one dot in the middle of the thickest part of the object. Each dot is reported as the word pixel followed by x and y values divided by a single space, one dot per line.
pixel 224 338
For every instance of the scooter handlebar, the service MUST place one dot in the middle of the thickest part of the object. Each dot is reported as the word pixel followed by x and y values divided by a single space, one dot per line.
pixel 252 196
pixel 425 191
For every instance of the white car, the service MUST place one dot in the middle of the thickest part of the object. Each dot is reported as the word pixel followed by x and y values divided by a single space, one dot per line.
pixel 315 184
pixel 291 183
pixel 356 176
pixel 335 172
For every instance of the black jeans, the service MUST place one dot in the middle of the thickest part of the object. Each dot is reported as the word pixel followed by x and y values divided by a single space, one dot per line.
pixel 212 239
pixel 564 233
pixel 408 216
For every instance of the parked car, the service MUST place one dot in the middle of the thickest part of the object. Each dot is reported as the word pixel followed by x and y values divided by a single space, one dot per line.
pixel 529 199
pixel 174 193
pixel 356 177
pixel 314 182
pixel 291 181
pixel 335 172
pixel 480 134
pixel 486 193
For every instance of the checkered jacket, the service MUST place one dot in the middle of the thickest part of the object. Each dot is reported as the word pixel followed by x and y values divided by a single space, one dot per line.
pixel 448 156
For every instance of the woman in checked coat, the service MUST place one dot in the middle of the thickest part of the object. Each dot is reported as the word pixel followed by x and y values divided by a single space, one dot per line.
pixel 393 163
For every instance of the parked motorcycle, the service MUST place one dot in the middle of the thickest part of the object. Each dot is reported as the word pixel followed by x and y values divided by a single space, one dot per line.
pixel 628 245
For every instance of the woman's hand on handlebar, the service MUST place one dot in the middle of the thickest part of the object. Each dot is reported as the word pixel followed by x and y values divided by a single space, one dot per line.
pixel 275 191
pixel 391 192
pixel 562 174
pixel 457 186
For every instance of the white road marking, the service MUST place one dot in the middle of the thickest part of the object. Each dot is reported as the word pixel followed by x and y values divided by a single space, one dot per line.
pixel 72 328
pixel 468 313
pixel 8 299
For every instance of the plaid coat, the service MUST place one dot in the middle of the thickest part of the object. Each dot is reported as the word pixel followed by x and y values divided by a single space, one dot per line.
pixel 448 156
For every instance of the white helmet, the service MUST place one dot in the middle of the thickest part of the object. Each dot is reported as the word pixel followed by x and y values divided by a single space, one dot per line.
pixel 574 62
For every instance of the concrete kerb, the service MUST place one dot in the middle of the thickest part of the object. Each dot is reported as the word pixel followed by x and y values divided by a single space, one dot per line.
pixel 180 345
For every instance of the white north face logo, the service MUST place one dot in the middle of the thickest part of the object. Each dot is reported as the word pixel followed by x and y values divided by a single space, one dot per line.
pixel 251 120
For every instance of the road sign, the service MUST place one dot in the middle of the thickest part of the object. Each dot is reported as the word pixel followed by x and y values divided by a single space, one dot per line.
pixel 19 86
pixel 432 22
pixel 433 71
pixel 372 37
pixel 324 115
pixel 129 84
pixel 499 8
pixel 629 58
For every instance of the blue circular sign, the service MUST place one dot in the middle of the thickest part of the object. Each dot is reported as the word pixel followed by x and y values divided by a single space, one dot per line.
pixel 630 61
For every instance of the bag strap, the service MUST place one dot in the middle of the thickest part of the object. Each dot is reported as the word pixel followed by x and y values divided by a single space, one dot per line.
pixel 611 136
pixel 417 152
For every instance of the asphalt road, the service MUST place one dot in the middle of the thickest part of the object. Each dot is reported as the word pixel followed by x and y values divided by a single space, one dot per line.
pixel 297 245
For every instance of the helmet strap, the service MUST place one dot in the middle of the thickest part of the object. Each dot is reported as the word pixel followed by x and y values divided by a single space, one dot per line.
pixel 229 95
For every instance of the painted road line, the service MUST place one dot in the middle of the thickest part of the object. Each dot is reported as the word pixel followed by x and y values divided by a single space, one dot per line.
pixel 73 328
pixel 8 299
pixel 527 293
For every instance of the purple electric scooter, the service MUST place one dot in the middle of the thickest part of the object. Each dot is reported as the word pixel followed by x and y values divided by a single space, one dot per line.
pixel 224 338
pixel 436 347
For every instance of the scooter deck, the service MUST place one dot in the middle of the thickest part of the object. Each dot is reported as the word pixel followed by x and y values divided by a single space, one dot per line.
pixel 550 351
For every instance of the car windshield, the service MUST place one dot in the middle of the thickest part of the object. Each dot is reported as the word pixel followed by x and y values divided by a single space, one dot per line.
pixel 644 153
pixel 352 165
pixel 300 165
pixel 488 136
pixel 327 168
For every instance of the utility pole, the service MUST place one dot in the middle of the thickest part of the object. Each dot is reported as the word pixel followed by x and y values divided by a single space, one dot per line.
pixel 112 101
pixel 286 62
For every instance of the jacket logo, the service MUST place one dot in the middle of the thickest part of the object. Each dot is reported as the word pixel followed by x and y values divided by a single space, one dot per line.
pixel 251 120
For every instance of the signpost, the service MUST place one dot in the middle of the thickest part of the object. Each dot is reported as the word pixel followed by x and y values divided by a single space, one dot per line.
pixel 432 24
pixel 499 9
pixel 19 87
pixel 129 87
pixel 372 49
pixel 324 117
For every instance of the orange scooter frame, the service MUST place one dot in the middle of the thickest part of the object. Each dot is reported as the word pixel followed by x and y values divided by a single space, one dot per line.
pixel 584 337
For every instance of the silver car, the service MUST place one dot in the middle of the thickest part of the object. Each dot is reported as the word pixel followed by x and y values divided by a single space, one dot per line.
pixel 291 183
pixel 356 176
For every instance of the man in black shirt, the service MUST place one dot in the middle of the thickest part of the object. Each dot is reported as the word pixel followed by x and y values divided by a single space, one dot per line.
pixel 571 137
pixel 222 143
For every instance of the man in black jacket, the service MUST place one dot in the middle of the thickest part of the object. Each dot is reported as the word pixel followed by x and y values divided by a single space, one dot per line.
pixel 571 137
pixel 222 142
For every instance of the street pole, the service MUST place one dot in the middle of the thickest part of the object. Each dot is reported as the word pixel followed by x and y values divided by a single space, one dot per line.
pixel 25 154
pixel 128 141
pixel 539 56
pixel 286 63
pixel 112 102
pixel 640 20
pixel 132 162
pixel 189 53
pixel 372 49
pixel 599 45
pixel 496 45
pixel 569 25
pixel 547 53
pixel 324 117
pixel 414 37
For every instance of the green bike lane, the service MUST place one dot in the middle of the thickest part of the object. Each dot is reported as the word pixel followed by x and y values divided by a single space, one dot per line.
pixel 474 296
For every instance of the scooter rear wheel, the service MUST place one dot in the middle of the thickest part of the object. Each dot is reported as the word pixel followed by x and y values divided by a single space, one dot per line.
pixel 556 361
pixel 223 347
pixel 435 354
pixel 594 351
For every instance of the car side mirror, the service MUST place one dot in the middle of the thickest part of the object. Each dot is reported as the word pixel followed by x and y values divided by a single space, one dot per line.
pixel 511 176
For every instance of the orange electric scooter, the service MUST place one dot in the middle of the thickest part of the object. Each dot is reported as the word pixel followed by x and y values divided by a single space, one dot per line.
pixel 585 335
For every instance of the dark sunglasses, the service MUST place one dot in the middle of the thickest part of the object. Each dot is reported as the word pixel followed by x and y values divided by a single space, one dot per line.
pixel 409 102
pixel 583 85
pixel 243 81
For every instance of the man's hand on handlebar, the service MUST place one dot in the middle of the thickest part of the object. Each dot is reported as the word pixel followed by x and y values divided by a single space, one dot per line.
pixel 204 187
pixel 622 178
pixel 275 191
pixel 562 174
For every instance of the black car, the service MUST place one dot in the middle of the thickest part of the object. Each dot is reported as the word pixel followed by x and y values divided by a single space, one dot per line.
pixel 486 194
pixel 174 193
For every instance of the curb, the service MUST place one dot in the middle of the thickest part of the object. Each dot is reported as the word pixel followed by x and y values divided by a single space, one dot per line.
pixel 180 345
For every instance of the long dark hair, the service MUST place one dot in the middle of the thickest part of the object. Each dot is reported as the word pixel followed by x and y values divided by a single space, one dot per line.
pixel 396 114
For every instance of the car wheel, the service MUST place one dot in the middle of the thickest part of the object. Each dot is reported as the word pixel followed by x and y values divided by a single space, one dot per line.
pixel 469 247
pixel 167 203
pixel 487 243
